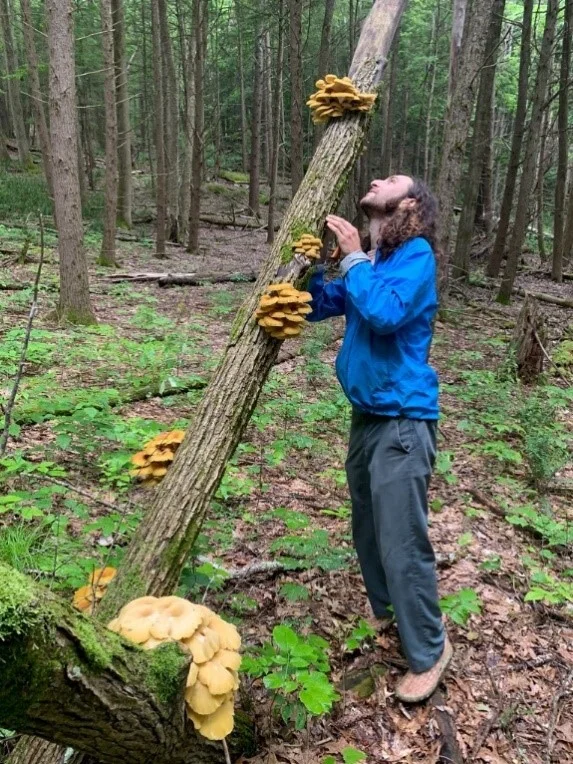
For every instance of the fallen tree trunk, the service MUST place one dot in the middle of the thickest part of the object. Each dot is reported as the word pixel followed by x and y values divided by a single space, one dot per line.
pixel 237 222
pixel 67 678
pixel 162 544
pixel 183 279
pixel 561 301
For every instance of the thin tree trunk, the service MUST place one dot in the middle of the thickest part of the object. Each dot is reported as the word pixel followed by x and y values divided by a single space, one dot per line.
pixel 389 112
pixel 125 187
pixel 297 96
pixel 160 160
pixel 37 98
pixel 13 83
pixel 541 189
pixel 323 58
pixel 277 107
pixel 498 250
pixel 461 259
pixel 256 112
pixel 185 189
pixel 171 122
pixel 200 24
pixel 267 105
pixel 74 303
pixel 434 66
pixel 563 147
pixel 107 256
pixel 530 153
pixel 243 100
pixel 484 212
pixel 457 124
pixel 217 127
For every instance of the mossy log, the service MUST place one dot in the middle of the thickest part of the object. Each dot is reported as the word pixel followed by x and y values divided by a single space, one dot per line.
pixel 65 677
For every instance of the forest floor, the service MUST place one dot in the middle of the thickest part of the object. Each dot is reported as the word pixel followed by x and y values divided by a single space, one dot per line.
pixel 501 516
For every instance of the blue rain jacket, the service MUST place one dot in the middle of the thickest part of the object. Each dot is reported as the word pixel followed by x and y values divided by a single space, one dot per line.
pixel 390 307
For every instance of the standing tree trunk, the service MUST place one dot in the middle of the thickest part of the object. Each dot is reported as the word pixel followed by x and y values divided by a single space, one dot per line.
pixel 498 250
pixel 296 93
pixel 256 111
pixel 530 153
pixel 457 124
pixel 323 58
pixel 458 24
pixel 277 107
pixel 160 161
pixel 37 99
pixel 125 187
pixel 74 304
pixel 107 255
pixel 155 734
pixel 267 105
pixel 387 122
pixel 171 116
pixel 461 259
pixel 540 206
pixel 434 66
pixel 243 100
pixel 563 147
pixel 200 26
pixel 189 124
pixel 13 83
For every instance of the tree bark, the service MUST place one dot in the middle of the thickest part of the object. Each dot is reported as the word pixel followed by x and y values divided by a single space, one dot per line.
pixel 530 153
pixel 165 536
pixel 434 66
pixel 323 58
pixel 296 93
pixel 189 124
pixel 170 122
pixel 243 100
pixel 13 83
pixel 267 105
pixel 527 342
pixel 107 254
pixel 458 23
pixel 498 250
pixel 563 146
pixel 125 187
pixel 256 113
pixel 200 21
pixel 37 99
pixel 387 122
pixel 74 303
pixel 457 124
pixel 277 106
pixel 540 191
pixel 461 259
pixel 160 151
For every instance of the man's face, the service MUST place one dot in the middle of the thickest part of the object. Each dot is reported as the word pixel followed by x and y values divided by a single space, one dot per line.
pixel 385 194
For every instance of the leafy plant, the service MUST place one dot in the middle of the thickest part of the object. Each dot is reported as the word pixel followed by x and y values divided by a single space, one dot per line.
pixel 295 669
pixel 461 605
pixel 359 634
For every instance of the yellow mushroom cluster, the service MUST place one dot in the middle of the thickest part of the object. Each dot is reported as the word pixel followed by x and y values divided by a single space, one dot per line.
pixel 214 644
pixel 150 465
pixel 308 245
pixel 87 597
pixel 335 95
pixel 282 310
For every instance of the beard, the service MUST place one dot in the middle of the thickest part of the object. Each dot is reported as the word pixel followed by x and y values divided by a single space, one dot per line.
pixel 373 208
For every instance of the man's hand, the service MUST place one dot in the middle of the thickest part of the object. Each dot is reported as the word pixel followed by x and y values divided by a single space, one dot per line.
pixel 347 235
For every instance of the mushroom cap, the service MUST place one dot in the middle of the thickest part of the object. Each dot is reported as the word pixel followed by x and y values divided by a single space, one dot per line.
pixel 139 459
pixel 216 678
pixel 230 659
pixel 159 619
pixel 192 675
pixel 102 576
pixel 220 723
pixel 203 646
pixel 228 635
pixel 83 599
pixel 201 700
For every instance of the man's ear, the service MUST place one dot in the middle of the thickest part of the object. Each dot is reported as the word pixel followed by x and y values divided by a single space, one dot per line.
pixel 407 204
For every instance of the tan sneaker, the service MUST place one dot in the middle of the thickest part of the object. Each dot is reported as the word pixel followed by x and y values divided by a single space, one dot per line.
pixel 379 624
pixel 414 688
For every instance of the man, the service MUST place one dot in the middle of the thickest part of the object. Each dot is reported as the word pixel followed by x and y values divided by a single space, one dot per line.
pixel 389 299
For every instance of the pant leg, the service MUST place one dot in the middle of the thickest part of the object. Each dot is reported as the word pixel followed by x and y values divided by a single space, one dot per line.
pixel 363 530
pixel 401 455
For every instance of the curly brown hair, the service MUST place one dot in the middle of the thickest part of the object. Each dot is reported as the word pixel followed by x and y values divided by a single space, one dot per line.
pixel 405 223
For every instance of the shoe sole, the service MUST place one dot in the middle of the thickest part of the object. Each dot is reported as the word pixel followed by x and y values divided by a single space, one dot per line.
pixel 420 698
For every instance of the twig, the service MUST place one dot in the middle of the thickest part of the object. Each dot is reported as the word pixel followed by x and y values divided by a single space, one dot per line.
pixel 566 688
pixel 83 493
pixel 266 566
pixel 33 311
pixel 567 379
pixel 449 748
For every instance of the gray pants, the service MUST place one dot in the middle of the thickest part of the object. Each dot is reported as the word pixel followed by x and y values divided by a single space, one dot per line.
pixel 388 468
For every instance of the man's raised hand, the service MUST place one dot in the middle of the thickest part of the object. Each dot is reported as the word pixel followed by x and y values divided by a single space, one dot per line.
pixel 347 235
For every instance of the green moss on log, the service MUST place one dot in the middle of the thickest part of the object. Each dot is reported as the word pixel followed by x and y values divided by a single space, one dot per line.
pixel 166 666
pixel 20 606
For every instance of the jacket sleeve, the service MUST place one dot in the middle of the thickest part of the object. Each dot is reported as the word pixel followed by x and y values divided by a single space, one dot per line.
pixel 328 299
pixel 390 299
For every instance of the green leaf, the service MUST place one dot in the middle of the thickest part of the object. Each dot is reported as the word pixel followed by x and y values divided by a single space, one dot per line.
pixel 352 755
pixel 285 638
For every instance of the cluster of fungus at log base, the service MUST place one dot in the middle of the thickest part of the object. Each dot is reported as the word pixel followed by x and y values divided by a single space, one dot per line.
pixel 213 643
pixel 335 96
pixel 87 597
pixel 150 465
pixel 282 310
pixel 308 245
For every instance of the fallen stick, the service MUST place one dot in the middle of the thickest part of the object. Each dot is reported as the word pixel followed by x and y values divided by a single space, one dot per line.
pixel 562 302
pixel 183 279
pixel 450 752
